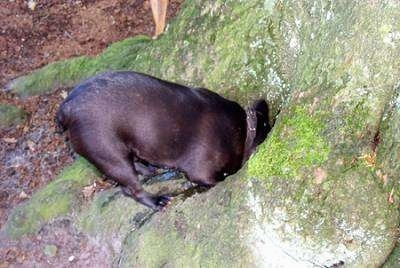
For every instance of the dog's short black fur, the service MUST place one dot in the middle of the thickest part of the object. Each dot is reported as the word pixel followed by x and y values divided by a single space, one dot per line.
pixel 118 120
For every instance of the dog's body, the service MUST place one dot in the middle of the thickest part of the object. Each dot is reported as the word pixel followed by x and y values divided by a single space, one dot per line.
pixel 118 118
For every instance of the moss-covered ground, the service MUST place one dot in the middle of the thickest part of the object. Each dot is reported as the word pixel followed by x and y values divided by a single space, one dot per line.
pixel 10 115
pixel 56 199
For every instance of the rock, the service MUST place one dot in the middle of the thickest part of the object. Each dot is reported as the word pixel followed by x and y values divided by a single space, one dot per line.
pixel 111 216
pixel 394 259
pixel 11 115
pixel 58 198
pixel 239 223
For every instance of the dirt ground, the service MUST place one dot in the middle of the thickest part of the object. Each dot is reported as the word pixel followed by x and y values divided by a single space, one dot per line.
pixel 32 34
pixel 57 29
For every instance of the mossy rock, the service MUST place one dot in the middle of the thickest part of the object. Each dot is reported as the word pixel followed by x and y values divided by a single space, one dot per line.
pixel 56 199
pixel 316 199
pixel 240 222
pixel 11 115
pixel 111 216
pixel 204 230
pixel 394 260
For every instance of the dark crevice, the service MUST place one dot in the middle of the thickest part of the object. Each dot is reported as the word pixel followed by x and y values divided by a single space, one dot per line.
pixel 336 265
pixel 140 219
pixel 376 140
pixel 388 109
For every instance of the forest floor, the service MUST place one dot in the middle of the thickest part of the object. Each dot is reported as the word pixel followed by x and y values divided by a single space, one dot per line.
pixel 33 34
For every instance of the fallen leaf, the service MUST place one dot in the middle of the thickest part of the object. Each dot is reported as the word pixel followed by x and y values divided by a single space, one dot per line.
pixel 31 5
pixel 10 140
pixel 88 191
pixel 313 105
pixel 31 145
pixel 383 177
pixel 391 196
pixel 320 175
pixel 64 94
pixel 370 159
pixel 103 184
pixel 23 195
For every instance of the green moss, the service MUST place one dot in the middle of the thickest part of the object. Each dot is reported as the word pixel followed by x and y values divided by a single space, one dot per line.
pixel 156 245
pixel 54 200
pixel 394 259
pixel 357 123
pixel 110 217
pixel 10 115
pixel 69 72
pixel 202 237
pixel 296 142
pixel 80 172
pixel 197 51
pixel 57 73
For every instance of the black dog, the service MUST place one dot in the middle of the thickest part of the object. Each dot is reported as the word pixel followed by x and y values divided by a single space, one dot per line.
pixel 122 120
